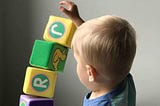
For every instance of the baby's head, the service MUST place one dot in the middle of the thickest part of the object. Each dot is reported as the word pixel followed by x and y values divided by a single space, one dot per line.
pixel 107 45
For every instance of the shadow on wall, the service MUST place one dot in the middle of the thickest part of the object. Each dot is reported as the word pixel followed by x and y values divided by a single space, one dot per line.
pixel 15 50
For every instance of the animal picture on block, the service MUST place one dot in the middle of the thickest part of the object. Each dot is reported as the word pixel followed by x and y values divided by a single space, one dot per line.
pixel 39 82
pixel 28 100
pixel 59 30
pixel 48 55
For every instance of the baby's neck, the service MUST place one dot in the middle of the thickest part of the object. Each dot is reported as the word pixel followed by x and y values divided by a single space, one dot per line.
pixel 98 93
pixel 102 90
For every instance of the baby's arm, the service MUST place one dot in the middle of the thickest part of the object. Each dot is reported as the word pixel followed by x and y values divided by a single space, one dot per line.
pixel 71 11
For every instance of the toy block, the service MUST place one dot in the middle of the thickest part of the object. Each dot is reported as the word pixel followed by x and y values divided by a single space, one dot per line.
pixel 27 100
pixel 39 82
pixel 48 55
pixel 59 30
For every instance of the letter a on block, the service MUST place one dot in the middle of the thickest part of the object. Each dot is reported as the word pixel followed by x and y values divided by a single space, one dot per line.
pixel 59 30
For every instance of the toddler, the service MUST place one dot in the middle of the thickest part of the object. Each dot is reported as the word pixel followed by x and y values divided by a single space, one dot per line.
pixel 104 49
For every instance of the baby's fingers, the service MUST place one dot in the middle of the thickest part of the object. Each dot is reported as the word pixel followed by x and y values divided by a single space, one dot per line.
pixel 61 8
pixel 68 4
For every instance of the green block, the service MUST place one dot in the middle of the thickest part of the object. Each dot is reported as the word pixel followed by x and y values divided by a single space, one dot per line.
pixel 48 55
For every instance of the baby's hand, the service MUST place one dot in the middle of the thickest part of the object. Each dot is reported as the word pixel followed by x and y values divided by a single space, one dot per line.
pixel 71 11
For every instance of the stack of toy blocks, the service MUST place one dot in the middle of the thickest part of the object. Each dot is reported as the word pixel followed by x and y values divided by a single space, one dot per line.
pixel 48 57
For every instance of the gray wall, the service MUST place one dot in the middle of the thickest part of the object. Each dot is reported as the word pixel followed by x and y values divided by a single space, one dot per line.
pixel 0 50
pixel 15 43
pixel 21 22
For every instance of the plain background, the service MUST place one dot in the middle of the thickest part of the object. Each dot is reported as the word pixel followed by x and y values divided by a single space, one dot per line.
pixel 23 21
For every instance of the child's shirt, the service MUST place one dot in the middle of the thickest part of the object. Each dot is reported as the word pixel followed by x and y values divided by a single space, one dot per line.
pixel 123 95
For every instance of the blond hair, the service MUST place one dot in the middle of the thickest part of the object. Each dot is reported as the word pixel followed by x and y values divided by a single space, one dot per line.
pixel 106 43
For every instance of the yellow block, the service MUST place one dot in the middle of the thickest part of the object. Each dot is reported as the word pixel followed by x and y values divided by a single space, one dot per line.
pixel 39 82
pixel 59 30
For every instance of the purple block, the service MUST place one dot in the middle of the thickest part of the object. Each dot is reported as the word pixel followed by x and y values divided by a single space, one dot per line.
pixel 27 100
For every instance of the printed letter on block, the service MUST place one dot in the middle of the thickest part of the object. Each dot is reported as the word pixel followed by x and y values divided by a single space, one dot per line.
pixel 39 82
pixel 59 30
pixel 48 55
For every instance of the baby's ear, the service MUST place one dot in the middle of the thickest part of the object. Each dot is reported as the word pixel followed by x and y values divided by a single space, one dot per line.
pixel 91 72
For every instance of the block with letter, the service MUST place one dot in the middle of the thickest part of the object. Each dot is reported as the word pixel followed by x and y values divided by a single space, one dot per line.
pixel 48 55
pixel 27 100
pixel 39 82
pixel 59 30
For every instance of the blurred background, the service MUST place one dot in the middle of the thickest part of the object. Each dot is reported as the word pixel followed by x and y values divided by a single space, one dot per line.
pixel 23 21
